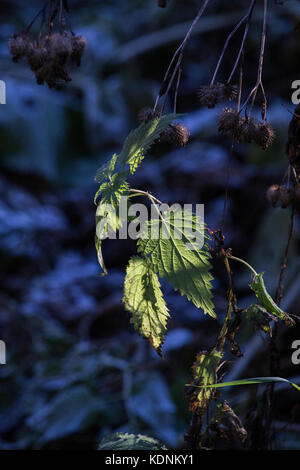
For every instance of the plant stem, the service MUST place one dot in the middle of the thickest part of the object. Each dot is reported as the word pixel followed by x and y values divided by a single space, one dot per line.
pixel 237 27
pixel 243 262
pixel 146 194
pixel 179 51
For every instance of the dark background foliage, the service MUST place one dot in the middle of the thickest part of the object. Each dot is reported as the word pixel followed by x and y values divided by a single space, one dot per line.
pixel 76 370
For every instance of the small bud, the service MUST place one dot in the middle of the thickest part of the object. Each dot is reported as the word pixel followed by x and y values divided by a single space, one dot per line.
pixel 273 194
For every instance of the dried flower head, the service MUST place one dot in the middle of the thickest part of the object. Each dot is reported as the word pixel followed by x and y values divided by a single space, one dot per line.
pixel 60 47
pixel 147 114
pixel 176 134
pixel 273 194
pixel 264 135
pixel 230 123
pixel 19 46
pixel 229 92
pixel 37 57
pixel 248 130
pixel 210 95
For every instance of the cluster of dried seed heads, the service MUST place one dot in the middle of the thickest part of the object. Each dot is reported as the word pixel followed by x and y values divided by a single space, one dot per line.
pixel 50 57
pixel 283 195
pixel 176 133
pixel 244 129
pixel 211 95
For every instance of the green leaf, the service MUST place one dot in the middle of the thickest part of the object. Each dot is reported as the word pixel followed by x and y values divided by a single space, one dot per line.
pixel 259 288
pixel 144 300
pixel 175 255
pixel 107 217
pixel 204 373
pixel 120 441
pixel 98 247
pixel 106 170
pixel 255 380
pixel 111 191
pixel 140 139
pixel 260 317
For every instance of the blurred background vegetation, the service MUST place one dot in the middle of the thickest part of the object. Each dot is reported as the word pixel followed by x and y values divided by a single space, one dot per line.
pixel 76 370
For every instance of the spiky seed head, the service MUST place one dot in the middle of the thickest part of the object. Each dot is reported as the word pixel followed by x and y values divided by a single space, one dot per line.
pixel 230 123
pixel 209 95
pixel 273 194
pixel 229 92
pixel 286 196
pixel 264 135
pixel 248 130
pixel 176 134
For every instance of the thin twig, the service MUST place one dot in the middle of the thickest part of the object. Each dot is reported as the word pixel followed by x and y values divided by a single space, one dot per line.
pixel 179 52
pixel 146 194
pixel 243 42
pixel 237 27
pixel 279 290
pixel 259 83
pixel 177 89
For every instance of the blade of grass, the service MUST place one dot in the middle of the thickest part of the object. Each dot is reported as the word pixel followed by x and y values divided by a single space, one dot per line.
pixel 254 380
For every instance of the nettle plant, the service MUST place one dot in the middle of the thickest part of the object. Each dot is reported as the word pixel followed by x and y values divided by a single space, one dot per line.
pixel 173 253
pixel 187 269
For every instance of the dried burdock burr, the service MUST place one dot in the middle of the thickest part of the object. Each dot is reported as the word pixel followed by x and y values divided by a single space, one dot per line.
pixel 60 48
pixel 51 56
pixel 273 195
pixel 19 46
pixel 36 57
pixel 286 196
pixel 176 134
pixel 247 130
pixel 211 95
pixel 230 123
pixel 264 135
pixel 229 92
